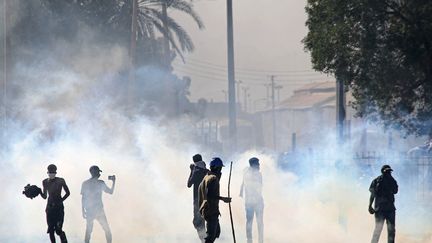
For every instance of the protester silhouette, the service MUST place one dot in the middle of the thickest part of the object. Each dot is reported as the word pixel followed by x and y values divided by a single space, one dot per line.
pixel 92 205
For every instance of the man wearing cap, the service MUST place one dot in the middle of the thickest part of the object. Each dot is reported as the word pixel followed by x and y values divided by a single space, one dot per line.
pixel 197 173
pixel 382 191
pixel 52 188
pixel 92 206
pixel 254 202
pixel 208 196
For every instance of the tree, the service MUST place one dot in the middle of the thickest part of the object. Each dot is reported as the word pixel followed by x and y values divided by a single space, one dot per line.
pixel 113 19
pixel 383 52
pixel 150 18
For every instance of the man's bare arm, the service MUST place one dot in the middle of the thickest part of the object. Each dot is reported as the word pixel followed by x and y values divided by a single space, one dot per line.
pixel 67 192
pixel 111 190
pixel 44 193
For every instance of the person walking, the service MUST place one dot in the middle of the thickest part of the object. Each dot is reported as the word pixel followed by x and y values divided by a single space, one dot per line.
pixel 52 188
pixel 198 171
pixel 383 188
pixel 251 188
pixel 209 196
pixel 92 205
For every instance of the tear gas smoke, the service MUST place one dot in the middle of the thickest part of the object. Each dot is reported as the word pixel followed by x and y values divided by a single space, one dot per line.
pixel 65 116
pixel 71 107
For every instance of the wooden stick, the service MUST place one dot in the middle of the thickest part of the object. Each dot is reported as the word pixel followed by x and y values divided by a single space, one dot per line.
pixel 229 204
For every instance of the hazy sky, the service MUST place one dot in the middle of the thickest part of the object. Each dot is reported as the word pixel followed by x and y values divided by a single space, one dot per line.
pixel 267 36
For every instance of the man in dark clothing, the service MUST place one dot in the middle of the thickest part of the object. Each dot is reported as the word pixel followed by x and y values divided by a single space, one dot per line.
pixel 382 191
pixel 208 196
pixel 52 187
pixel 197 173
pixel 92 205
pixel 254 202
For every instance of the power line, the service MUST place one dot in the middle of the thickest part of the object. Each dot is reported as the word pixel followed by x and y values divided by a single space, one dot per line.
pixel 222 79
pixel 206 63
pixel 248 75
pixel 222 74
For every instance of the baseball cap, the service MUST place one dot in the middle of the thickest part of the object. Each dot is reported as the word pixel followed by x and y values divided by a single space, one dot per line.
pixel 386 168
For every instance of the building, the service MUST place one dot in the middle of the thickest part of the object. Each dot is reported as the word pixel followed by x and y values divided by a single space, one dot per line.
pixel 309 116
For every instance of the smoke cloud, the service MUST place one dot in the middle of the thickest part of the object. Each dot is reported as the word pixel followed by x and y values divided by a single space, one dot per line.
pixel 72 107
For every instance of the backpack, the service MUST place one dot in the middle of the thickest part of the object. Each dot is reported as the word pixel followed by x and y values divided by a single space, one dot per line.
pixel 379 185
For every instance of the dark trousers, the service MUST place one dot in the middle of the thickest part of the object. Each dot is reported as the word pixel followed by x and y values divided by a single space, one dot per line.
pixel 213 229
pixel 251 211
pixel 101 218
pixel 199 223
pixel 390 218
pixel 55 218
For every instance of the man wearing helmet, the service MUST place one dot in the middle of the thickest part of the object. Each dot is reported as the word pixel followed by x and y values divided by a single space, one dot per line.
pixel 92 206
pixel 52 188
pixel 382 191
pixel 254 202
pixel 209 199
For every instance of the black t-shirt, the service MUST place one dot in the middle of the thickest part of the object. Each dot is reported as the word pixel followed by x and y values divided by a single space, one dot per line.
pixel 196 177
pixel 383 188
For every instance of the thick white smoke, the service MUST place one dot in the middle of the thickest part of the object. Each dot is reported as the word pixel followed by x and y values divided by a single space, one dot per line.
pixel 74 110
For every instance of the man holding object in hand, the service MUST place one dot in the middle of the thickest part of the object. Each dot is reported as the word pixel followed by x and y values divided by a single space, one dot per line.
pixel 382 191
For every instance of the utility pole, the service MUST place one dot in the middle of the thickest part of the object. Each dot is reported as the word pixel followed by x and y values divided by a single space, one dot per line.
pixel 340 109
pixel 6 44
pixel 238 90
pixel 231 78
pixel 132 49
pixel 267 94
pixel 245 94
pixel 166 33
pixel 278 88
pixel 272 77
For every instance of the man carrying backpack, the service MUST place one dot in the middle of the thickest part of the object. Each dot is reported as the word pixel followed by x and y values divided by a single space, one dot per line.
pixel 197 173
pixel 208 196
pixel 382 191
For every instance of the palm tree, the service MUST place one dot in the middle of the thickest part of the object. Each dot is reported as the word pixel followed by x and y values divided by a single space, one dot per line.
pixel 151 18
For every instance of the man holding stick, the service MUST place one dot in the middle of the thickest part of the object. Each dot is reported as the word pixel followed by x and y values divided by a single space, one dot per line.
pixel 209 197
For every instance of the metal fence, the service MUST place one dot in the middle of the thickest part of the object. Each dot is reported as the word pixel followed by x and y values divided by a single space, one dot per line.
pixel 412 172
pixel 416 171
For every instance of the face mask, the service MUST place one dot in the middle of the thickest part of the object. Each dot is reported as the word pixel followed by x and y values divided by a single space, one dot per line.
pixel 51 175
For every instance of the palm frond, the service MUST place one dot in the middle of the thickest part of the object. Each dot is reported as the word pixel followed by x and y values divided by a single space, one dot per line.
pixel 187 8
pixel 160 27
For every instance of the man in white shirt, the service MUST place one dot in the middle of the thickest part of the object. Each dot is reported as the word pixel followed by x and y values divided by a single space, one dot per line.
pixel 254 202
pixel 92 205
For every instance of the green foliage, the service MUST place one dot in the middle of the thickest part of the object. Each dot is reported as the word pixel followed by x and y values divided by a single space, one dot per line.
pixel 110 22
pixel 383 51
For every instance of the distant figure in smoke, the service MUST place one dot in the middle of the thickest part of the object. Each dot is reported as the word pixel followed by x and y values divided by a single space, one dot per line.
pixel 92 206
pixel 197 173
pixel 382 191
pixel 209 199
pixel 52 187
pixel 254 202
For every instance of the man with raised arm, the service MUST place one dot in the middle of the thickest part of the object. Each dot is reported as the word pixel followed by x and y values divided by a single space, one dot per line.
pixel 92 205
